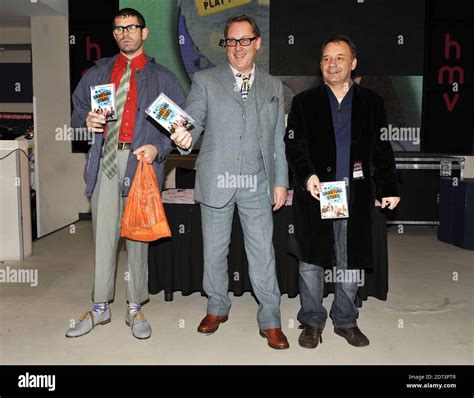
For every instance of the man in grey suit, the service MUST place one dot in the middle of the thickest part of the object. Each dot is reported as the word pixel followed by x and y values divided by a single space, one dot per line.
pixel 241 164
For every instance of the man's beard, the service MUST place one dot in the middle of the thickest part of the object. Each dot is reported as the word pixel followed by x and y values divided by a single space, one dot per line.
pixel 128 48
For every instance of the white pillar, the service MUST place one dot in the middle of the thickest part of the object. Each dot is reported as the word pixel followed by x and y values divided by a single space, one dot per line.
pixel 58 172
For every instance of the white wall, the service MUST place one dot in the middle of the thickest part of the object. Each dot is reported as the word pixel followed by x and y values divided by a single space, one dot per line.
pixel 15 57
pixel 16 107
pixel 59 6
pixel 59 179
pixel 15 35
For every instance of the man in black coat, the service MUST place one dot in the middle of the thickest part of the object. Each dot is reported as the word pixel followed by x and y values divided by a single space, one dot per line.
pixel 334 134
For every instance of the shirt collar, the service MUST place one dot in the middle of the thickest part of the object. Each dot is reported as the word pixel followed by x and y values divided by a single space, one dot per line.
pixel 137 63
pixel 236 72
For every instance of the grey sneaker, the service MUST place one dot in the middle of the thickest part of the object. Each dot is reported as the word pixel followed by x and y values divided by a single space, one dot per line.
pixel 140 327
pixel 88 321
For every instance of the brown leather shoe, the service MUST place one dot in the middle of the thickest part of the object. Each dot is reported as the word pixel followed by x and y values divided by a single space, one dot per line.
pixel 210 323
pixel 276 338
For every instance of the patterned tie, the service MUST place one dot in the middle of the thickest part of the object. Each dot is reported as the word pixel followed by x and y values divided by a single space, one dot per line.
pixel 109 161
pixel 245 88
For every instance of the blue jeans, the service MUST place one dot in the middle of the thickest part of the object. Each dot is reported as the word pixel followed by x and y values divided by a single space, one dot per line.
pixel 344 312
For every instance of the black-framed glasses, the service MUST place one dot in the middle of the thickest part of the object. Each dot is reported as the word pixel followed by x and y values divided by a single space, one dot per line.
pixel 245 41
pixel 130 28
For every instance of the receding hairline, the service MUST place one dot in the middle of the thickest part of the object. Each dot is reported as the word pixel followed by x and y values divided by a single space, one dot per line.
pixel 241 22
pixel 338 42
pixel 242 18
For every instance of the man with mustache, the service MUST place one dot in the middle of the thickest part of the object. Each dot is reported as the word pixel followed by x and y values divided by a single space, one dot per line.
pixel 241 108
pixel 334 134
pixel 112 162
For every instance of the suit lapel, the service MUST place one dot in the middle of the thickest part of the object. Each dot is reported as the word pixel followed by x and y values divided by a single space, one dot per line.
pixel 258 91
pixel 261 88
pixel 358 113
pixel 326 123
pixel 227 79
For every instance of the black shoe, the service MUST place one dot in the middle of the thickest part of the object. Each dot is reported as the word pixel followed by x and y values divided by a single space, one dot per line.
pixel 353 336
pixel 310 337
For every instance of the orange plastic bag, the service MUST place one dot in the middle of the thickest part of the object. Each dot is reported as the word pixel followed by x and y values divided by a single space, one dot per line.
pixel 144 217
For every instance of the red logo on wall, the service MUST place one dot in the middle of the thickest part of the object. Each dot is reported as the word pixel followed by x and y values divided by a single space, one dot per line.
pixel 451 72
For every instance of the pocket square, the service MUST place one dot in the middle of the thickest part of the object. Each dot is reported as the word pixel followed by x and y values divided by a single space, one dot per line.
pixel 274 99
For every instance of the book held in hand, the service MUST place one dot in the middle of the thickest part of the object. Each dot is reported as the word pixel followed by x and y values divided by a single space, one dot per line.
pixel 333 200
pixel 168 114
pixel 103 100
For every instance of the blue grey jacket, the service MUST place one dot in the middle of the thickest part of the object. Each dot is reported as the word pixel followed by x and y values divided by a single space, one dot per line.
pixel 151 81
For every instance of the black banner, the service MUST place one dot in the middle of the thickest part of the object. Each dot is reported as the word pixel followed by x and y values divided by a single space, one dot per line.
pixel 389 35
pixel 16 82
pixel 448 122
pixel 432 381
pixel 90 38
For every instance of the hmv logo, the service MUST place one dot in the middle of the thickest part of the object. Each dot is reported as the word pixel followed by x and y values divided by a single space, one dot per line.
pixel 450 72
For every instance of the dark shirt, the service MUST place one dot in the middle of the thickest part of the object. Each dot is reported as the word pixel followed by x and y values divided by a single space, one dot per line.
pixel 341 119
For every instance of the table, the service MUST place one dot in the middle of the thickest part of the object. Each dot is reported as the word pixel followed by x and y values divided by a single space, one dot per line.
pixel 176 264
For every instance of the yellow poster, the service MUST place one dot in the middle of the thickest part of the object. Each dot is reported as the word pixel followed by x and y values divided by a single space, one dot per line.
pixel 207 7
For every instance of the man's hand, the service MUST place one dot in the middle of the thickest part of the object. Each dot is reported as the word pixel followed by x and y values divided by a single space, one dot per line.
pixel 182 138
pixel 313 186
pixel 149 151
pixel 95 122
pixel 279 196
pixel 391 202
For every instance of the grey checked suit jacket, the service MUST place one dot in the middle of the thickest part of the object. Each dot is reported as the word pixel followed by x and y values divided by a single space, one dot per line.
pixel 217 107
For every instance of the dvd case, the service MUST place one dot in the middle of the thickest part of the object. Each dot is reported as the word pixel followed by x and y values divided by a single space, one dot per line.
pixel 168 114
pixel 103 100
pixel 333 199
